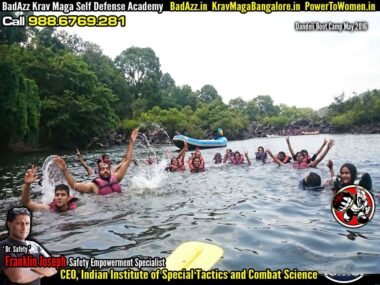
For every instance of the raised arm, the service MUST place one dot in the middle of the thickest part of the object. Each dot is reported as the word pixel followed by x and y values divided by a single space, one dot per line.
pixel 246 156
pixel 322 156
pixel 321 148
pixel 290 148
pixel 30 177
pixel 117 167
pixel 127 156
pixel 190 163
pixel 227 155
pixel 330 166
pixel 89 170
pixel 80 187
pixel 275 159
pixel 202 163
pixel 181 155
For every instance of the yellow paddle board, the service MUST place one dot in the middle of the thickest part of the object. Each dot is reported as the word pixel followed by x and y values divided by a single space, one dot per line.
pixel 194 254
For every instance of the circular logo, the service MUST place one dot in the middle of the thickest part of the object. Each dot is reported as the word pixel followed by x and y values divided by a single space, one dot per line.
pixel 353 206
pixel 343 278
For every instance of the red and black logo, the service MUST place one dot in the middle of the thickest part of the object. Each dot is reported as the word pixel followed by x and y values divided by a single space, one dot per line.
pixel 353 206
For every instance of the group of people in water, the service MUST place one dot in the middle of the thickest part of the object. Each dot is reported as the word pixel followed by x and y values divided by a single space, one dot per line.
pixel 301 159
pixel 108 179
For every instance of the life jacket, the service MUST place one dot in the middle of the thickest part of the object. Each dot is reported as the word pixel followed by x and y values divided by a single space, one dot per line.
pixel 303 164
pixel 236 162
pixel 71 203
pixel 107 186
pixel 307 159
pixel 286 159
pixel 261 156
pixel 198 170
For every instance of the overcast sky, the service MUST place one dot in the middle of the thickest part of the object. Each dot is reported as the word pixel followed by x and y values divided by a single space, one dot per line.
pixel 254 54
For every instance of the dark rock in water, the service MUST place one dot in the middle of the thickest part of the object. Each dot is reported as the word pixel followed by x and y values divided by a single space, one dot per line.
pixel 92 142
pixel 156 135
pixel 150 134
pixel 300 123
pixel 26 148
pixel 297 127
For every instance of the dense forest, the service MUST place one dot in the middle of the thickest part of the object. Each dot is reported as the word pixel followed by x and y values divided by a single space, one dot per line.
pixel 57 90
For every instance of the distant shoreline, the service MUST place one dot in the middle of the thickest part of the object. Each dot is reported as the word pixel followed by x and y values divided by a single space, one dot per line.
pixel 25 149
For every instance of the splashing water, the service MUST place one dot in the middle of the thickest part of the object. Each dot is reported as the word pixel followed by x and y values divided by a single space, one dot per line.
pixel 52 176
pixel 154 133
pixel 143 141
pixel 150 176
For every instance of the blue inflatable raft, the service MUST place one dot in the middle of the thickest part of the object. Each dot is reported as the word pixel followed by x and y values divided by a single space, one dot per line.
pixel 203 144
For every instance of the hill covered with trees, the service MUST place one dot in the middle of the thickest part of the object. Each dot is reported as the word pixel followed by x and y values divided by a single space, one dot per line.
pixel 59 91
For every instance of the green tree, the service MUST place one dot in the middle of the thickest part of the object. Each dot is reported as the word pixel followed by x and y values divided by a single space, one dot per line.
pixel 19 102
pixel 111 77
pixel 75 106
pixel 265 106
pixel 208 94
pixel 184 96
pixel 238 103
pixel 253 112
pixel 167 82
pixel 11 35
pixel 141 68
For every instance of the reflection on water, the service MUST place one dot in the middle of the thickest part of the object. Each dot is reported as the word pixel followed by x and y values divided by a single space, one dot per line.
pixel 257 214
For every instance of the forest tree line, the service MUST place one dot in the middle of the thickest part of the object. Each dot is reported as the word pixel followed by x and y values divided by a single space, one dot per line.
pixel 60 91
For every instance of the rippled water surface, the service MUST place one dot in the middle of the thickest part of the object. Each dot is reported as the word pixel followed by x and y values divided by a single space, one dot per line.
pixel 256 214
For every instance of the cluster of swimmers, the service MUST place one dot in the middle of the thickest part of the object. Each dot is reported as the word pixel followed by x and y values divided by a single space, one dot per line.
pixel 108 180
pixel 300 159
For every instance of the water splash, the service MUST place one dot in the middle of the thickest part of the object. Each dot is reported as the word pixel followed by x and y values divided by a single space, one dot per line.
pixel 155 133
pixel 150 176
pixel 51 176
pixel 151 133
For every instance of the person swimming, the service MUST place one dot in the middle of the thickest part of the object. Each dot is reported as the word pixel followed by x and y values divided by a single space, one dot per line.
pixel 237 158
pixel 306 156
pixel 311 182
pixel 349 175
pixel 218 158
pixel 104 158
pixel 196 165
pixel 261 154
pixel 62 201
pixel 107 182
pixel 281 156
pixel 227 155
pixel 197 153
pixel 304 152
pixel 151 160
pixel 300 161
pixel 90 171
pixel 178 163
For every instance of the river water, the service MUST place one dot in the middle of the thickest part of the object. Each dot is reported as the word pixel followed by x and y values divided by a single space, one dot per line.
pixel 255 213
